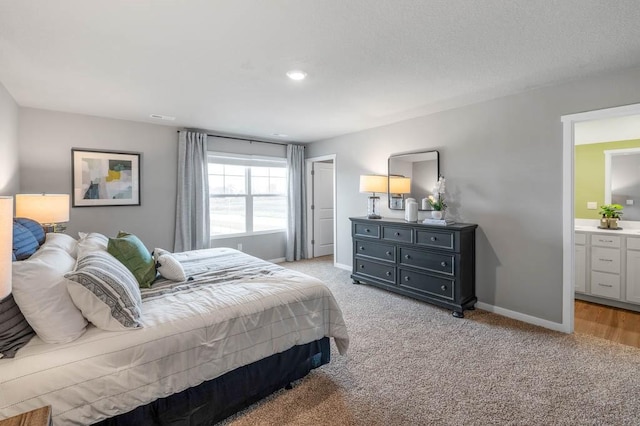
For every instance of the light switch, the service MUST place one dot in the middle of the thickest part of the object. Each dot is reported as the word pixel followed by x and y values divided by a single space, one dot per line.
pixel 629 202
pixel 592 205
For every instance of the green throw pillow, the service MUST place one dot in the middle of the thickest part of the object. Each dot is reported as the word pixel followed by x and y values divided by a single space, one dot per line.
pixel 132 253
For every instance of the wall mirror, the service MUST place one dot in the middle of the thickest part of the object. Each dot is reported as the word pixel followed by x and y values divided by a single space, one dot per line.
pixel 622 180
pixel 412 175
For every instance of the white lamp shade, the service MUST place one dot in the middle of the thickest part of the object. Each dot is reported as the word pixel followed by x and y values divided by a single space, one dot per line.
pixel 6 244
pixel 43 208
pixel 373 183
pixel 399 185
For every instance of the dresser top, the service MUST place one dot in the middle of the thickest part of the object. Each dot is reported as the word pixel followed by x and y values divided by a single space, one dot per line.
pixel 394 221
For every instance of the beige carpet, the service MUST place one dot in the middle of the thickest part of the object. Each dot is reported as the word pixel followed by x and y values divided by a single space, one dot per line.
pixel 411 363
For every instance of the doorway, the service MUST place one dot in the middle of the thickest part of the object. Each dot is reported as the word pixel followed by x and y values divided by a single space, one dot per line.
pixel 568 185
pixel 321 206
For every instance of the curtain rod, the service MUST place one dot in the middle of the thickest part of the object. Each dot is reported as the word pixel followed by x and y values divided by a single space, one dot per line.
pixel 244 139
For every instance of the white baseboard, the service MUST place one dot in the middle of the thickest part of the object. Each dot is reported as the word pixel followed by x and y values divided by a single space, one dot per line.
pixel 278 260
pixel 342 266
pixel 556 326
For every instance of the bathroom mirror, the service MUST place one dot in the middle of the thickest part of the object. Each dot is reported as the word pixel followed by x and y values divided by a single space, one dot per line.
pixel 412 175
pixel 622 180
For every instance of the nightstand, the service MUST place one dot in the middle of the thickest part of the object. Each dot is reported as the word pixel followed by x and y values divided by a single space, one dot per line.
pixel 38 417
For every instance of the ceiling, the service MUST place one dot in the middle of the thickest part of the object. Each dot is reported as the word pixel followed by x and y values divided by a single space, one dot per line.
pixel 220 65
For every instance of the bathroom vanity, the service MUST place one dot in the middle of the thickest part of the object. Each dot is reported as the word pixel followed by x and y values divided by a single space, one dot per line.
pixel 607 266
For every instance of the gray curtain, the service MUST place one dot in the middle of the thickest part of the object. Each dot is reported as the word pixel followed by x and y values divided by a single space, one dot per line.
pixel 297 201
pixel 192 207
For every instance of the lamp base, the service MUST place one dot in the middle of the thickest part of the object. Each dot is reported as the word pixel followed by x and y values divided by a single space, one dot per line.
pixel 54 227
pixel 372 207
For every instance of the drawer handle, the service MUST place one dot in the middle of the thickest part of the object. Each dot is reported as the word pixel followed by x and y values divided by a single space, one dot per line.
pixel 406 256
pixel 397 234
pixel 433 238
pixel 361 248
pixel 606 241
pixel 367 230
pixel 605 260
pixel 361 266
pixel 605 285
pixel 406 278
pixel 388 273
pixel 388 253
pixel 443 264
pixel 443 288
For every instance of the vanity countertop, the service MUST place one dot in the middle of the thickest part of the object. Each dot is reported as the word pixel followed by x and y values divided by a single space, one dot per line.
pixel 595 229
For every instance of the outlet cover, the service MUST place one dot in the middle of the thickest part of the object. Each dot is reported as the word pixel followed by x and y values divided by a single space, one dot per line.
pixel 629 202
pixel 592 205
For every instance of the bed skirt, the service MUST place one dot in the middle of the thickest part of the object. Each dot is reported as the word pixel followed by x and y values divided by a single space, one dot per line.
pixel 214 400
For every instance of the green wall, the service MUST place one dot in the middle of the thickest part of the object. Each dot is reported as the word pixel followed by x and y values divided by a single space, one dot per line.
pixel 589 178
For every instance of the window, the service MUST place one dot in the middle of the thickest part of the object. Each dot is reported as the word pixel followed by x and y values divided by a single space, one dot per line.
pixel 248 194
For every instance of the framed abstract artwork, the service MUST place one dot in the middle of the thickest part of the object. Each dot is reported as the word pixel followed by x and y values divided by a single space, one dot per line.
pixel 105 178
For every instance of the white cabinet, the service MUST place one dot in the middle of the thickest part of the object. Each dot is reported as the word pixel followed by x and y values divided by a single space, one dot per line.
pixel 581 266
pixel 633 270
pixel 607 268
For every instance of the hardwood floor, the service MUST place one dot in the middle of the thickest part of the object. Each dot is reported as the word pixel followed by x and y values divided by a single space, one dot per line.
pixel 606 322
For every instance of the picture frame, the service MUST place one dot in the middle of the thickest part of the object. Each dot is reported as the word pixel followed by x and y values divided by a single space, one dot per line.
pixel 105 178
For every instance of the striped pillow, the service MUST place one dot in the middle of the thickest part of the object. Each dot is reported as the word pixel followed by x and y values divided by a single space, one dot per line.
pixel 106 292
pixel 15 331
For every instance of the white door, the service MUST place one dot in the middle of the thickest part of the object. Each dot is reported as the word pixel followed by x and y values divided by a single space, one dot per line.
pixel 322 209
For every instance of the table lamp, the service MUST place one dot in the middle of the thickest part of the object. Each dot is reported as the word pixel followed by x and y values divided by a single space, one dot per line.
pixel 51 210
pixel 398 186
pixel 373 184
pixel 6 244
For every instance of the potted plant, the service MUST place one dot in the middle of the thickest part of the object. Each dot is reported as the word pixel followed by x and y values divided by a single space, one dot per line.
pixel 437 204
pixel 610 214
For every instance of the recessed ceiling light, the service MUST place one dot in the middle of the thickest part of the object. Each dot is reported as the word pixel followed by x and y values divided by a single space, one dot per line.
pixel 279 135
pixel 296 75
pixel 162 117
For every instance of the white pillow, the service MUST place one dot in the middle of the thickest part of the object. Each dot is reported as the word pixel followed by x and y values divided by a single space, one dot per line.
pixel 91 242
pixel 168 266
pixel 106 292
pixel 63 241
pixel 39 289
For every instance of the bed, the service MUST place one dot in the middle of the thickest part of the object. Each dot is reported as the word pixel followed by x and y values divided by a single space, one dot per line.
pixel 237 330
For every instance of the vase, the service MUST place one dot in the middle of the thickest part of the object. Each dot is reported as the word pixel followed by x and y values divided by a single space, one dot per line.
pixel 613 222
pixel 436 214
pixel 411 211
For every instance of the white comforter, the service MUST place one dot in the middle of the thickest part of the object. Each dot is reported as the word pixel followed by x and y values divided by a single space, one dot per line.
pixel 191 333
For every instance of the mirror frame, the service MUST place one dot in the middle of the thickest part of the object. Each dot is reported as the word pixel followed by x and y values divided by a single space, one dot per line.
pixel 392 200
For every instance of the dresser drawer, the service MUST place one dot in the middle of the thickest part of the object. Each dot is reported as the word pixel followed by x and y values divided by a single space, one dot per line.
pixel 391 233
pixel 423 283
pixel 607 285
pixel 605 259
pixel 605 241
pixel 366 230
pixel 382 272
pixel 429 261
pixel 435 239
pixel 385 252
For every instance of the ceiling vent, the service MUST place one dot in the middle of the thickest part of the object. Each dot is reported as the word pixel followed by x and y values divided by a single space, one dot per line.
pixel 162 117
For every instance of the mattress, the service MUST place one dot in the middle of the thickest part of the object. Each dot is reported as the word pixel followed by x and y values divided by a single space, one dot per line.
pixel 235 310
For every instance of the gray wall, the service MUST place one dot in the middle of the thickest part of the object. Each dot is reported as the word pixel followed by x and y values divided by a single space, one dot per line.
pixel 45 142
pixel 9 175
pixel 46 139
pixel 503 164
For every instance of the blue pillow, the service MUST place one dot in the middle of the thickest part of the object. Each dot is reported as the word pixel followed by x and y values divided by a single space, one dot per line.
pixel 33 226
pixel 24 243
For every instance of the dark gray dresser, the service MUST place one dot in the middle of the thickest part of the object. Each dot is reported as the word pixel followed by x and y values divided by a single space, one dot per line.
pixel 436 264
